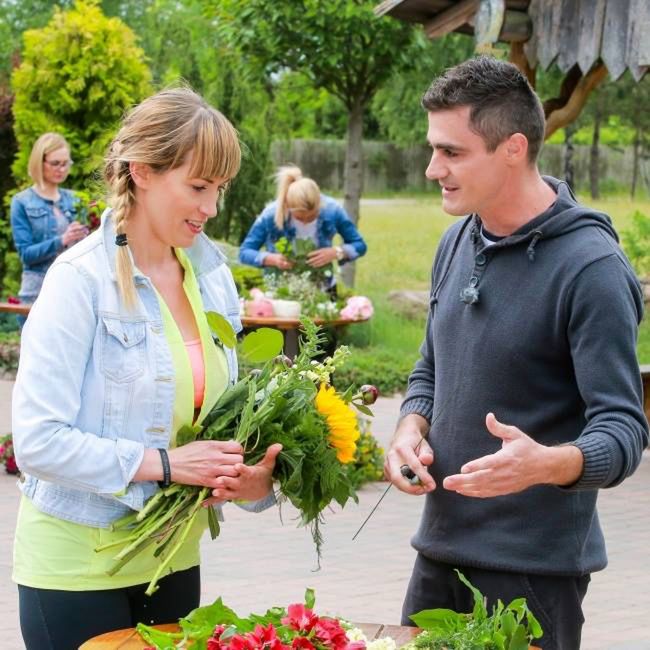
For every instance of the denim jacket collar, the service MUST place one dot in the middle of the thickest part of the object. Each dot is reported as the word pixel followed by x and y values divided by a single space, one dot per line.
pixel 204 255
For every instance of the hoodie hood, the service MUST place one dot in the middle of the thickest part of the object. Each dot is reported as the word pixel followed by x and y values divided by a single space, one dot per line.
pixel 564 216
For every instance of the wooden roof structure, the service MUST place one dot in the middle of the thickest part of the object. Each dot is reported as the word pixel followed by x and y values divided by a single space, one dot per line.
pixel 585 38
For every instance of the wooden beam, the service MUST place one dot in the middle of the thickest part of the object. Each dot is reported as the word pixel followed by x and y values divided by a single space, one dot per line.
pixel 518 57
pixel 517 27
pixel 558 117
pixel 450 19
pixel 384 7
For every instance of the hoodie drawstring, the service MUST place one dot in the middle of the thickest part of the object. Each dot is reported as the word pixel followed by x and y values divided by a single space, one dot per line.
pixel 531 247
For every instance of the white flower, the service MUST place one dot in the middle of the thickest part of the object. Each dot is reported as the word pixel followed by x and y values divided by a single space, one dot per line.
pixel 356 634
pixel 387 643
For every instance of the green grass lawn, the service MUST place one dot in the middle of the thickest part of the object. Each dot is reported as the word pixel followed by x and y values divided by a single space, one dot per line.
pixel 402 236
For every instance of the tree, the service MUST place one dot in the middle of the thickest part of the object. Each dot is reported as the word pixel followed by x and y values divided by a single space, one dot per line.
pixel 77 76
pixel 183 45
pixel 397 103
pixel 631 99
pixel 339 45
pixel 15 18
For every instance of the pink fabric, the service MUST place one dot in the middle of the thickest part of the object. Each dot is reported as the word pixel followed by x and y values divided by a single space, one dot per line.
pixel 195 353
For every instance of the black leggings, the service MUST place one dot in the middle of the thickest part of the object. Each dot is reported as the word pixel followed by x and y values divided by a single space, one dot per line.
pixel 51 619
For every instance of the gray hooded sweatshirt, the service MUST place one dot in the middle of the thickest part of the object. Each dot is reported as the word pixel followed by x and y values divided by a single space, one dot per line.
pixel 539 328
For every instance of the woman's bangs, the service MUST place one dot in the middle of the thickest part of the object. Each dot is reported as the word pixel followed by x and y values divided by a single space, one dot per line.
pixel 216 152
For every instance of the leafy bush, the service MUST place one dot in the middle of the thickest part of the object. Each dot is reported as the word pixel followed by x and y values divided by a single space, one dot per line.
pixel 9 345
pixel 247 278
pixel 386 369
pixel 10 283
pixel 636 242
pixel 7 153
pixel 77 76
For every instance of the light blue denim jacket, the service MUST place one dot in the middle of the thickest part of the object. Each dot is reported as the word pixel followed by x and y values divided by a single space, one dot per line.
pixel 332 219
pixel 95 383
pixel 34 228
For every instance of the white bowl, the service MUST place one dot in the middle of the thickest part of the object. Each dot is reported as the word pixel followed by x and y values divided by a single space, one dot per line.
pixel 286 308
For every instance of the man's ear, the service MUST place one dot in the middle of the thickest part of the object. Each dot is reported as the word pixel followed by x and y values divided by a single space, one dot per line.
pixel 141 174
pixel 516 149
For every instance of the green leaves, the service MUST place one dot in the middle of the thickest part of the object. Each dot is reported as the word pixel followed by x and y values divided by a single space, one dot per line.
pixel 509 627
pixel 262 345
pixel 310 598
pixel 186 434
pixel 440 620
pixel 222 328
pixel 259 346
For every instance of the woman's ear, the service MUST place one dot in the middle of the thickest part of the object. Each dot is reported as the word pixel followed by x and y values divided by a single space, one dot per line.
pixel 141 174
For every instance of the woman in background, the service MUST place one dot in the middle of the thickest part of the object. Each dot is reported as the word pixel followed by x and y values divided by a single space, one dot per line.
pixel 43 216
pixel 300 211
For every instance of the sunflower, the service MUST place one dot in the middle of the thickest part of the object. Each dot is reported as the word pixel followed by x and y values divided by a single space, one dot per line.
pixel 341 422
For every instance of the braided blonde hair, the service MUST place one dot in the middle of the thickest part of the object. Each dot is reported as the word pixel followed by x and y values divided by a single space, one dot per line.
pixel 161 132
pixel 294 191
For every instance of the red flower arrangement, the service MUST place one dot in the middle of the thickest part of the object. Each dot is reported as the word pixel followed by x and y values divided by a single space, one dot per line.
pixel 301 629
pixel 7 457
pixel 296 628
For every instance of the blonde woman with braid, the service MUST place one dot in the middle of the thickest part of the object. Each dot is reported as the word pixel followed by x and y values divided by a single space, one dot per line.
pixel 116 356
pixel 300 211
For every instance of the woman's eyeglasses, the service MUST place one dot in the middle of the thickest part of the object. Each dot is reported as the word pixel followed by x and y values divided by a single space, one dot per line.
pixel 59 164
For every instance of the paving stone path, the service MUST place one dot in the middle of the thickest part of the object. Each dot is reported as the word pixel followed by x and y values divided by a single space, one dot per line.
pixel 261 560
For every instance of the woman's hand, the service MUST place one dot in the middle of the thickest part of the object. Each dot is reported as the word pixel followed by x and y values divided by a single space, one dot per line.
pixel 278 260
pixel 321 257
pixel 251 483
pixel 198 463
pixel 74 232
pixel 203 462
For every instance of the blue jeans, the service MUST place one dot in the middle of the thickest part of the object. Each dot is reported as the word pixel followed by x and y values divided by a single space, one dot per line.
pixel 30 286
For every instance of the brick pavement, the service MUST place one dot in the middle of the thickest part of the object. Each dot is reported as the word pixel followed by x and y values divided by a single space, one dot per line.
pixel 259 561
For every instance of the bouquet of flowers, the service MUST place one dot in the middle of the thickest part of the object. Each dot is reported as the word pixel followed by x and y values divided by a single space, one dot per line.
pixel 285 402
pixel 7 457
pixel 89 211
pixel 297 252
pixel 217 627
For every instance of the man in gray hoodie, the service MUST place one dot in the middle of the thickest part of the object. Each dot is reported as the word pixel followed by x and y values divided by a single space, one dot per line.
pixel 527 397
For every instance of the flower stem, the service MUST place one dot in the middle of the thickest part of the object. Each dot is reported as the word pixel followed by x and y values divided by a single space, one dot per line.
pixel 153 585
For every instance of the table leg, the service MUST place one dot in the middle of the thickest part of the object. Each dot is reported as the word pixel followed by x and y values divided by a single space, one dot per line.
pixel 291 343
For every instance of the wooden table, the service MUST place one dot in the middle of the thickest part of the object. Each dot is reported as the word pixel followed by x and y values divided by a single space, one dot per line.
pixel 288 326
pixel 10 308
pixel 131 640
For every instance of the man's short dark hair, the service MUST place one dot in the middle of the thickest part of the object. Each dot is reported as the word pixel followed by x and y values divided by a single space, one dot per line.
pixel 500 99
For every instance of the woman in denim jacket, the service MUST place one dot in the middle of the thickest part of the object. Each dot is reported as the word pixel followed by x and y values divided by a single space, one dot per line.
pixel 43 216
pixel 116 356
pixel 300 211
